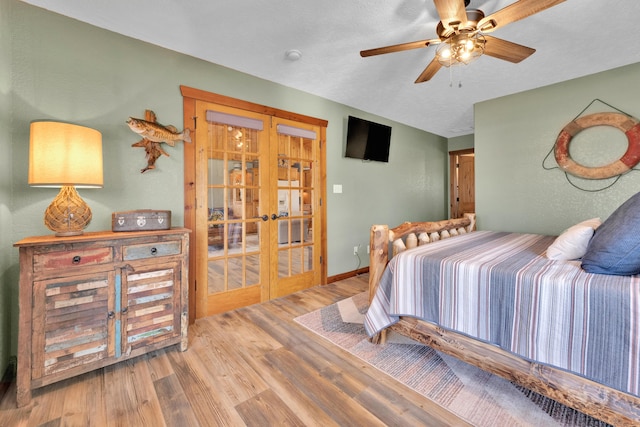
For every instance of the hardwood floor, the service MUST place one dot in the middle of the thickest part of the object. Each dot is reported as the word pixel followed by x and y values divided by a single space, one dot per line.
pixel 254 366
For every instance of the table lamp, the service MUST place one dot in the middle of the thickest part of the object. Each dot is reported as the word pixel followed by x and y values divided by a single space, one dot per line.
pixel 67 156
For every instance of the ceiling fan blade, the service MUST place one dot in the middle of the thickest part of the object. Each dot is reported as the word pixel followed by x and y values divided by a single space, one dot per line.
pixel 451 12
pixel 506 50
pixel 398 47
pixel 429 72
pixel 514 12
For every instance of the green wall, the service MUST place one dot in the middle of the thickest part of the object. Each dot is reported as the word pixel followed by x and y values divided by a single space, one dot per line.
pixel 7 260
pixel 62 69
pixel 513 135
pixel 461 142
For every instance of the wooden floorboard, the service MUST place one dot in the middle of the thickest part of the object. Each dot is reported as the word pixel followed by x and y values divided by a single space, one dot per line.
pixel 250 367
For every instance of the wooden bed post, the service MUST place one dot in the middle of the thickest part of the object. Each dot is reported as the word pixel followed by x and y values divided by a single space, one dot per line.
pixel 472 221
pixel 378 256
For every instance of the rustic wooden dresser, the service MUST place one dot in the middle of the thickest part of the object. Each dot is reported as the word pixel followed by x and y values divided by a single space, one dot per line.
pixel 93 300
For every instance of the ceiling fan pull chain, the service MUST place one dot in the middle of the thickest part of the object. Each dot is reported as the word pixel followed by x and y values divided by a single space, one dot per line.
pixel 451 78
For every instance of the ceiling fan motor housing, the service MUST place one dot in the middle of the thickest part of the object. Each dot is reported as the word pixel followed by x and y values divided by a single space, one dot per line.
pixel 455 27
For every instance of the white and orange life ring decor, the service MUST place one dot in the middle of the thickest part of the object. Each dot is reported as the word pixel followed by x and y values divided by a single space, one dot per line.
pixel 627 124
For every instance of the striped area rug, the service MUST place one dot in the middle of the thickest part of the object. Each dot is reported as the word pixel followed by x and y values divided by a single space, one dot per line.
pixel 480 398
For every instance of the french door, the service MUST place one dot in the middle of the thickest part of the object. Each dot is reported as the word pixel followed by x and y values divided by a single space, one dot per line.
pixel 295 226
pixel 257 225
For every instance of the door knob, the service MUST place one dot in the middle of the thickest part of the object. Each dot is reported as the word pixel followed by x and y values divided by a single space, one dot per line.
pixel 263 217
pixel 274 216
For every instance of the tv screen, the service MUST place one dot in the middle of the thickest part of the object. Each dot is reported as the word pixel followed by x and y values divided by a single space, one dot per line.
pixel 367 140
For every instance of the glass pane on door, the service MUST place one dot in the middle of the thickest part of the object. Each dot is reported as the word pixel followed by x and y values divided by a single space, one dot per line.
pixel 233 203
pixel 295 204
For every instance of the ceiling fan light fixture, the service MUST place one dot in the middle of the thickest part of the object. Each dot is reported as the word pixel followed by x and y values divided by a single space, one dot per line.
pixel 444 52
pixel 468 45
pixel 462 48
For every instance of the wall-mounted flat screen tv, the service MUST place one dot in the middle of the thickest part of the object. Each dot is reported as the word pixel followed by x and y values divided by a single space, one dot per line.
pixel 367 140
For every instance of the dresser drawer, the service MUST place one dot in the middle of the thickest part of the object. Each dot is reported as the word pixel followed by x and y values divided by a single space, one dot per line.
pixel 151 250
pixel 69 260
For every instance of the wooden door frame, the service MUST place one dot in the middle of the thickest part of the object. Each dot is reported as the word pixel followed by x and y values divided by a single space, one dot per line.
pixel 453 155
pixel 190 96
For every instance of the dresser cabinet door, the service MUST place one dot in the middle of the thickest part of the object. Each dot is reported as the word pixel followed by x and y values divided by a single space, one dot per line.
pixel 150 304
pixel 72 319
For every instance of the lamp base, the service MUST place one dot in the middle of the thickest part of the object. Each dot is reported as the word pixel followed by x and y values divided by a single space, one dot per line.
pixel 68 233
pixel 68 214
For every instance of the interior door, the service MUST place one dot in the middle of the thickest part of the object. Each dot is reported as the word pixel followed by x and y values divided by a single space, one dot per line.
pixel 256 208
pixel 232 236
pixel 462 182
pixel 466 184
pixel 295 245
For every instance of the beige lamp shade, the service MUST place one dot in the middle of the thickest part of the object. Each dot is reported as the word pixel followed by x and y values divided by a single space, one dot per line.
pixel 65 154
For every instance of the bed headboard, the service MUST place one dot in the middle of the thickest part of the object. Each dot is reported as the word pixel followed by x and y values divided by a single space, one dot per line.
pixel 409 235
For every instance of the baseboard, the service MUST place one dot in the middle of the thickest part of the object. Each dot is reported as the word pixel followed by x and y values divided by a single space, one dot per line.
pixel 347 275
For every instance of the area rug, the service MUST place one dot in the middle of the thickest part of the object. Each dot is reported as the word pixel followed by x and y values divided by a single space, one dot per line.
pixel 480 398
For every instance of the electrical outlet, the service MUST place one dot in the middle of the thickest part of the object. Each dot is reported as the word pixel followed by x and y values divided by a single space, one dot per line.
pixel 355 250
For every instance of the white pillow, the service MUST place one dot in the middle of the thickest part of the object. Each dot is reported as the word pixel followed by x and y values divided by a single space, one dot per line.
pixel 572 243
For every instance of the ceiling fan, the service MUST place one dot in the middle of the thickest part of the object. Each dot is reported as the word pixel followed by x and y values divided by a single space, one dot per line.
pixel 462 34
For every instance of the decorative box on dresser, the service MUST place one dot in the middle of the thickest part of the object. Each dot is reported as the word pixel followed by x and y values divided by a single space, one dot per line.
pixel 96 299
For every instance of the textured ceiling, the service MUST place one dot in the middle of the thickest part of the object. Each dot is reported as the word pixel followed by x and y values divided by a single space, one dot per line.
pixel 572 39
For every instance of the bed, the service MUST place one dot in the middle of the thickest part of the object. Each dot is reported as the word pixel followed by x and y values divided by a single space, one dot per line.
pixel 494 300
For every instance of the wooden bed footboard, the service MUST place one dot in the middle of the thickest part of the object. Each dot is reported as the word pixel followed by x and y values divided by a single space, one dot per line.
pixel 594 399
pixel 409 235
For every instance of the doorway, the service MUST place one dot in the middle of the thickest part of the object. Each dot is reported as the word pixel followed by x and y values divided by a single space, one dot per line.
pixel 462 182
pixel 253 202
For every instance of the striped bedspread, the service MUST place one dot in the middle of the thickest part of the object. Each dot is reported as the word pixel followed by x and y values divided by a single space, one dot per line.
pixel 500 288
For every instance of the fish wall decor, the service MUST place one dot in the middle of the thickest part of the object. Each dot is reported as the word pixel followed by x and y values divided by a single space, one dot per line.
pixel 153 134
